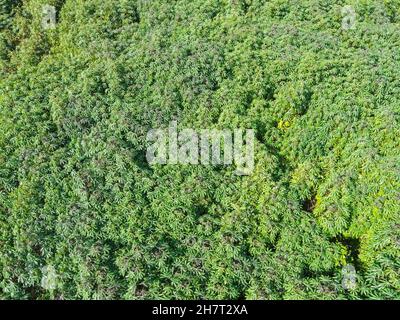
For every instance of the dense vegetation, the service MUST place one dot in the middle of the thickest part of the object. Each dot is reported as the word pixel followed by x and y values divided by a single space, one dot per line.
pixel 78 197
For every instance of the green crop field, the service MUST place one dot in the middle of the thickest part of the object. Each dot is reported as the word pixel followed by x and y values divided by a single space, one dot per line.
pixel 85 215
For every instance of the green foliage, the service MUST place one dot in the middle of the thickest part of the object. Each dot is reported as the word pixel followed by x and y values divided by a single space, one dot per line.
pixel 77 195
